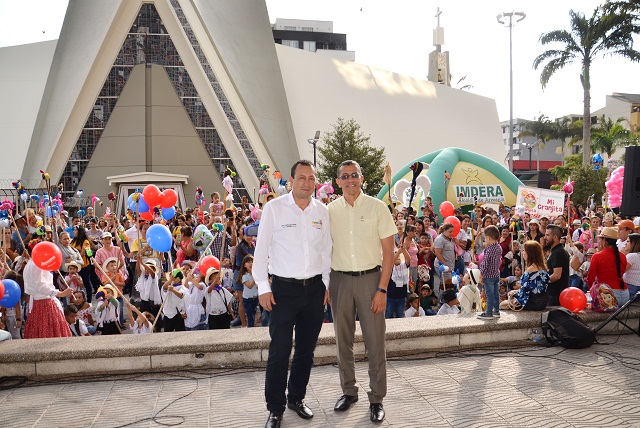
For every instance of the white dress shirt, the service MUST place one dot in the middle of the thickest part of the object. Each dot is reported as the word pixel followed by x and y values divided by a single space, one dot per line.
pixel 292 243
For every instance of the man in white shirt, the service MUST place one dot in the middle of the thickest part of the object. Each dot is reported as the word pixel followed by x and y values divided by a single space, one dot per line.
pixel 294 246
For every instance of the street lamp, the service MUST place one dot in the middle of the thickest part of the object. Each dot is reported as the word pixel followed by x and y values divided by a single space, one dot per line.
pixel 530 147
pixel 502 19
pixel 313 141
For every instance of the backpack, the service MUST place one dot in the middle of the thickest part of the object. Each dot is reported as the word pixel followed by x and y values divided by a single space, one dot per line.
pixel 563 327
pixel 602 298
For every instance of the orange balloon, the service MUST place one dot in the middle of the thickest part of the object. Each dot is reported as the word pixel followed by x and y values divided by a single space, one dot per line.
pixel 573 298
pixel 446 208
pixel 170 198
pixel 151 193
pixel 209 262
pixel 47 256
pixel 455 222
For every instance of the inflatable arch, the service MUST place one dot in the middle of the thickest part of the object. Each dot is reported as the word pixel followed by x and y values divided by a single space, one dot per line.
pixel 459 176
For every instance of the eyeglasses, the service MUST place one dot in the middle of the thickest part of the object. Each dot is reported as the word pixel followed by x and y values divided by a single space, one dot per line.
pixel 347 176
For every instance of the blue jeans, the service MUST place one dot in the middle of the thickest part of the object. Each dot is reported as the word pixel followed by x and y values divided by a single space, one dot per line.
pixel 395 307
pixel 622 296
pixel 492 289
pixel 575 281
pixel 121 310
pixel 266 317
pixel 633 290
pixel 250 306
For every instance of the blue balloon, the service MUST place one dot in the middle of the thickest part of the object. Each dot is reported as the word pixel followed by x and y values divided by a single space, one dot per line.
pixel 12 293
pixel 159 238
pixel 55 209
pixel 142 205
pixel 168 213
pixel 441 268
pixel 48 212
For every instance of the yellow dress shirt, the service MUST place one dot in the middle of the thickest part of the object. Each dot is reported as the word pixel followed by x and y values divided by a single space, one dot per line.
pixel 357 232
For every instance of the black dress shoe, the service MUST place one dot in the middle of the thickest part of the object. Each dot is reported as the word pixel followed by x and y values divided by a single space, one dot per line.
pixel 345 402
pixel 377 412
pixel 274 421
pixel 301 409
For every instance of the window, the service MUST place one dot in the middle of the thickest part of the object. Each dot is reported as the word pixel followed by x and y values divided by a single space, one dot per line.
pixel 289 28
pixel 307 28
pixel 309 46
pixel 290 43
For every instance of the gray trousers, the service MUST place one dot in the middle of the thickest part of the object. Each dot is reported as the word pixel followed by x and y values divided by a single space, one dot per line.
pixel 350 295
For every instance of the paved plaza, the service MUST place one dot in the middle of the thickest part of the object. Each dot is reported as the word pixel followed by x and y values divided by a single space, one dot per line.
pixel 532 386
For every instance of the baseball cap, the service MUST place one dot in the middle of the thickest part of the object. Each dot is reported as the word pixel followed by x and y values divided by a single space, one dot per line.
pixel 626 224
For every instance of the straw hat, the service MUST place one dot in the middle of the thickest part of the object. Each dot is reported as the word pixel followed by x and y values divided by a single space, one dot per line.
pixel 412 297
pixel 109 260
pixel 609 232
pixel 110 288
pixel 210 272
pixel 151 263
pixel 73 263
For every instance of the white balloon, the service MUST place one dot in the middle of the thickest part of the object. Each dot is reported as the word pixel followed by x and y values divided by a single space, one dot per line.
pixel 399 190
pixel 424 183
pixel 4 223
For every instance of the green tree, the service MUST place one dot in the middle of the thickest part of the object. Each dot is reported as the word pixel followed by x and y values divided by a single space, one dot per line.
pixel 541 129
pixel 587 181
pixel 608 136
pixel 563 129
pixel 604 33
pixel 345 142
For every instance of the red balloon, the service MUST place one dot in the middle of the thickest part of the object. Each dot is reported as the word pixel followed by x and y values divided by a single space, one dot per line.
pixel 455 222
pixel 1 290
pixel 573 298
pixel 47 256
pixel 170 198
pixel 446 208
pixel 147 215
pixel 150 193
pixel 209 262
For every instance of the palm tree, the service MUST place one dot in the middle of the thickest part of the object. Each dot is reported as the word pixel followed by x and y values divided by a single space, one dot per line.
pixel 540 128
pixel 602 34
pixel 562 129
pixel 609 136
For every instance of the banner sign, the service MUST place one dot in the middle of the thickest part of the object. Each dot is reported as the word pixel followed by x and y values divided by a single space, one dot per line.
pixel 541 202
pixel 485 194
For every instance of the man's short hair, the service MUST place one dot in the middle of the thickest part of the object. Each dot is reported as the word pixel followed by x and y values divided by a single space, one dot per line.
pixel 349 163
pixel 492 232
pixel 555 230
pixel 300 162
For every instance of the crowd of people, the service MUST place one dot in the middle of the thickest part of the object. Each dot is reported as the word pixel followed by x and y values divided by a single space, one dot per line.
pixel 316 261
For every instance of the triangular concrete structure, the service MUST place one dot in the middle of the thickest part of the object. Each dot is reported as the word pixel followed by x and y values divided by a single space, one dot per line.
pixel 243 128
pixel 164 142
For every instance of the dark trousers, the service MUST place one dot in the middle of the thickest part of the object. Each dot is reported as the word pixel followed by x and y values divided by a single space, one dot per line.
pixel 85 274
pixel 219 322
pixel 174 324
pixel 301 308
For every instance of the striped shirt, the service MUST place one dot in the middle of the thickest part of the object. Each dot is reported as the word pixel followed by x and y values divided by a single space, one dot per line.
pixel 490 265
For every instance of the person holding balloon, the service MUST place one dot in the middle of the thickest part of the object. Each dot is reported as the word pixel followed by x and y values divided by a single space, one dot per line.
pixel 10 303
pixel 45 314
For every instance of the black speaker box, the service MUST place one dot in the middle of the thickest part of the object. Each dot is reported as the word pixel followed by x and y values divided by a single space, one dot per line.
pixel 544 179
pixel 631 184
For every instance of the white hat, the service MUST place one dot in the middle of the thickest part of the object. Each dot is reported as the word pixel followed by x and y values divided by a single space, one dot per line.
pixel 475 276
pixel 73 263
pixel 109 260
pixel 210 272
pixel 534 221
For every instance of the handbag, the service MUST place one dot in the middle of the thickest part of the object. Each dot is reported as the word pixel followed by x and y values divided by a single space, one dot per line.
pixel 514 305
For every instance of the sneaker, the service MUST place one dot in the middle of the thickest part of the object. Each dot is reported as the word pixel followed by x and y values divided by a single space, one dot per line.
pixel 484 316
pixel 496 314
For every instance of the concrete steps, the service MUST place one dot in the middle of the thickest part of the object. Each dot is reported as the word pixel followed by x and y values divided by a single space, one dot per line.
pixel 45 358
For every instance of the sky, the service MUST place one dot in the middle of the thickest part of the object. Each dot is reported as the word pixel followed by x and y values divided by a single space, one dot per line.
pixel 397 36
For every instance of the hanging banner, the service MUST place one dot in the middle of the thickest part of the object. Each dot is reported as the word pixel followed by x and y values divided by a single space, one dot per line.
pixel 541 202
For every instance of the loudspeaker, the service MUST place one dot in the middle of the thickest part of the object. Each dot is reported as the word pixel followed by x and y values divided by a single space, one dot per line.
pixel 631 184
pixel 544 179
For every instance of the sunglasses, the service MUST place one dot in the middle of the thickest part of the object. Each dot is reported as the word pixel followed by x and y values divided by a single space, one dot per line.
pixel 347 176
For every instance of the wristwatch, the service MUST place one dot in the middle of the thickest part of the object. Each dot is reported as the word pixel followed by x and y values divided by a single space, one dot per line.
pixel 382 290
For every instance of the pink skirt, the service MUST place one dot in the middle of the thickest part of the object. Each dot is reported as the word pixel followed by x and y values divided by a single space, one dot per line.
pixel 46 320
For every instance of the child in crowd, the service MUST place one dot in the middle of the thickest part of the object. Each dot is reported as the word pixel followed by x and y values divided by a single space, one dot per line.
pixel 450 305
pixel 503 292
pixel 414 310
pixel 398 283
pixel 13 316
pixel 428 301
pixel 513 281
pixel 250 290
pixel 85 311
pixel 216 207
pixel 218 299
pixel 196 316
pixel 143 322
pixel 469 295
pixel 73 278
pixel 490 269
pixel 107 310
pixel 113 277
pixel 176 300
pixel 584 267
pixel 76 325
pixel 147 285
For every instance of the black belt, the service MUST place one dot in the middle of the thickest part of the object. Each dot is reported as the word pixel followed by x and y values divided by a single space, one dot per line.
pixel 307 281
pixel 361 272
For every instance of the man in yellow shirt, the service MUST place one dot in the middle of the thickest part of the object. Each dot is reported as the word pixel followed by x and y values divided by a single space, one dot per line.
pixel 362 231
